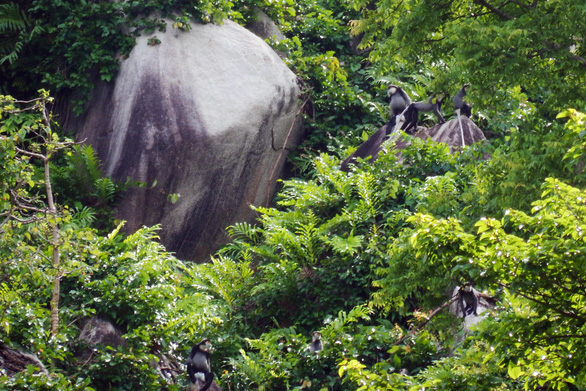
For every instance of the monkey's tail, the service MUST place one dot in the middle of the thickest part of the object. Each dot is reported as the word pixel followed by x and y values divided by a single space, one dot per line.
pixel 461 128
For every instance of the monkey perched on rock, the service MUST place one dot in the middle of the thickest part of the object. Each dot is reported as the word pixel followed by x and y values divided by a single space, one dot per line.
pixel 398 103
pixel 462 108
pixel 459 102
pixel 399 100
pixel 413 110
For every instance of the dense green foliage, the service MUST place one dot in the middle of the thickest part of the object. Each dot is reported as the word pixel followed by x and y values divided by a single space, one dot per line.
pixel 495 46
pixel 365 257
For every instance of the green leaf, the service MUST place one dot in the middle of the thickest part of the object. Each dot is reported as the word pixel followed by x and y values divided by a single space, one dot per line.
pixel 514 371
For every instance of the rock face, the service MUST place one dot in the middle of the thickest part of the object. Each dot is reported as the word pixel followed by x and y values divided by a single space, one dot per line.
pixel 198 386
pixel 451 134
pixel 264 27
pixel 99 331
pixel 204 113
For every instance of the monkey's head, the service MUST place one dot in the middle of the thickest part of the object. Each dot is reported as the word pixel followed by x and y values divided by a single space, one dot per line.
pixel 392 90
pixel 467 287
pixel 465 87
pixel 205 345
pixel 315 336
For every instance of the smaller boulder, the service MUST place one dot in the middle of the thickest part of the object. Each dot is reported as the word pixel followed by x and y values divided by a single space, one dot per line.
pixel 97 331
pixel 449 132
pixel 197 386
pixel 13 361
pixel 264 27
pixel 368 149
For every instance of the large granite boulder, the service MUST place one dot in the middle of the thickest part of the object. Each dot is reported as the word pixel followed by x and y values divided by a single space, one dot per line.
pixel 208 114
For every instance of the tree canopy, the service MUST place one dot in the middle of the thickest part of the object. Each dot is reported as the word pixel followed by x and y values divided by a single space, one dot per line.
pixel 536 45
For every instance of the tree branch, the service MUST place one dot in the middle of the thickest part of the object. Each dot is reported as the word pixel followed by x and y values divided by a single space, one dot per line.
pixel 567 336
pixel 31 154
pixel 555 46
pixel 547 305
pixel 429 318
pixel 551 45
pixel 527 6
pixel 494 9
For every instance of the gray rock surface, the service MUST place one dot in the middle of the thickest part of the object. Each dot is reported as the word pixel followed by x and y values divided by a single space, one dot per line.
pixel 196 387
pixel 204 113
pixel 264 27
pixel 451 134
pixel 99 331
pixel 13 361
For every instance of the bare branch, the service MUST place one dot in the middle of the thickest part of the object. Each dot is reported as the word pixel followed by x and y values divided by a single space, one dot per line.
pixel 555 46
pixel 429 318
pixel 494 9
pixel 24 221
pixel 549 306
pixel 26 102
pixel 29 153
pixel 527 6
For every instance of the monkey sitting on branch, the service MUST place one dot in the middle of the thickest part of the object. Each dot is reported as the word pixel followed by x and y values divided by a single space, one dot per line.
pixel 464 301
pixel 468 299
pixel 316 344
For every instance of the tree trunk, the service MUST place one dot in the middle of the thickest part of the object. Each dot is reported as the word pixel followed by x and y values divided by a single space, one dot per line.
pixel 54 241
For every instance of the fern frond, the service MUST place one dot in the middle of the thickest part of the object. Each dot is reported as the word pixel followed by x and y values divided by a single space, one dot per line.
pixel 243 230
pixel 366 186
pixel 13 26
pixel 84 217
pixel 105 189
pixel 86 166
pixel 249 367
pixel 36 30
pixel 12 19
pixel 361 312
pixel 349 245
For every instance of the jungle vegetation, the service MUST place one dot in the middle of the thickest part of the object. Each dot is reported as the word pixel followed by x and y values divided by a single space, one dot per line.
pixel 364 257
